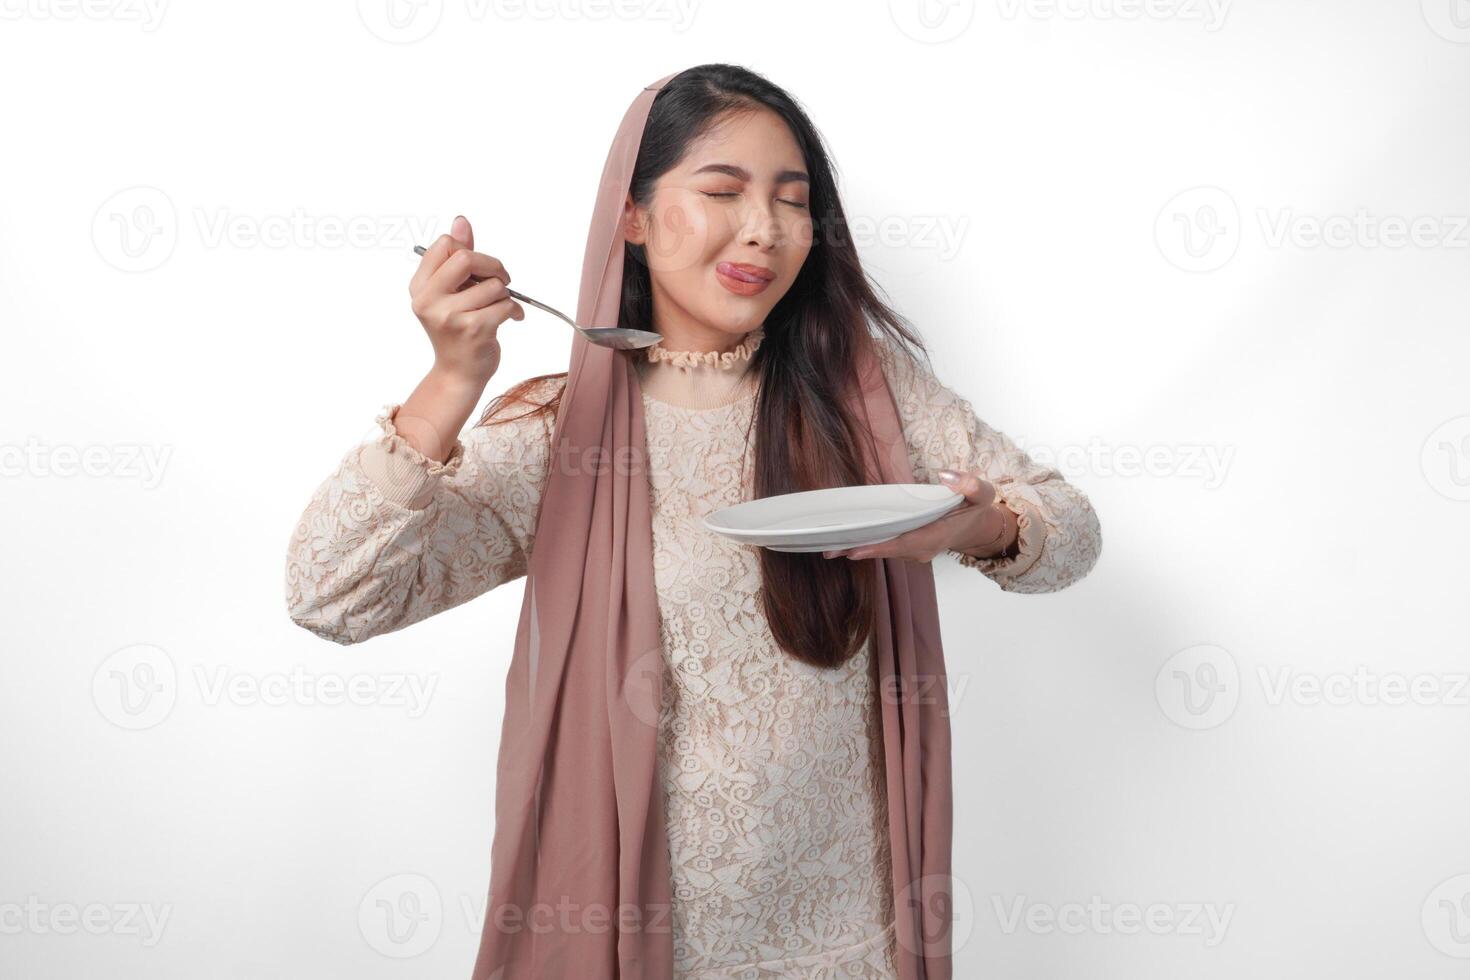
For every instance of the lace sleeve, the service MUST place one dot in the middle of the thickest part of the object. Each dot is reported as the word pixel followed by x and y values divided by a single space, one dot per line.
pixel 393 537
pixel 1060 537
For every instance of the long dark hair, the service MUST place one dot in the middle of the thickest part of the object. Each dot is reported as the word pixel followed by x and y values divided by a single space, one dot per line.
pixel 819 610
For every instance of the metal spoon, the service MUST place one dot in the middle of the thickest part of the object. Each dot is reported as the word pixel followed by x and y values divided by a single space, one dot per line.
pixel 618 338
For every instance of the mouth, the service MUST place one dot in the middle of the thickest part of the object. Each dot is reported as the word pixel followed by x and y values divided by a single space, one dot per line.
pixel 742 278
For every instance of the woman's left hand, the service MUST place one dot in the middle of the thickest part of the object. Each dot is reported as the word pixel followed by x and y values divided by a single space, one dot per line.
pixel 974 525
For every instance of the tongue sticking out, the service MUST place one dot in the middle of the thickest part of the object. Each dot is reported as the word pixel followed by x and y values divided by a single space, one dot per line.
pixel 734 272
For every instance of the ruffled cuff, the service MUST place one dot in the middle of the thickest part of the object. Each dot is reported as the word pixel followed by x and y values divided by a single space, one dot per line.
pixel 1031 538
pixel 404 475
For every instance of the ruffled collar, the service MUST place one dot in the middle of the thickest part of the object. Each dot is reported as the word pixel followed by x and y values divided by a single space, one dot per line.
pixel 721 360
pixel 700 379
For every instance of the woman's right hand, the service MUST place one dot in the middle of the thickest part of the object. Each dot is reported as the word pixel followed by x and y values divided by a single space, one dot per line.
pixel 460 316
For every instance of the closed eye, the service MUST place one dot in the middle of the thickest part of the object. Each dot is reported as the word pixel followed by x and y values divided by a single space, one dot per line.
pixel 795 204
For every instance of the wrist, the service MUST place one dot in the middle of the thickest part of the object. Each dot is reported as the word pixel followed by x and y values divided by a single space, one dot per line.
pixel 432 416
pixel 1004 543
pixel 456 383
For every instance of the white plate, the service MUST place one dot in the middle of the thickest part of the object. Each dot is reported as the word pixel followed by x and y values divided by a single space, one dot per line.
pixel 839 517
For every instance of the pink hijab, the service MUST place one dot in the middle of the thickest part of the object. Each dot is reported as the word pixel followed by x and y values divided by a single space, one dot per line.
pixel 580 882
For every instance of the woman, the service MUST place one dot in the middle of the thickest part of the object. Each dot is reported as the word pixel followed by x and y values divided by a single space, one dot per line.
pixel 695 725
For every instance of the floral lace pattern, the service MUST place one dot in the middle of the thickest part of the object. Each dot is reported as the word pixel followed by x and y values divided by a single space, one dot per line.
pixel 391 537
pixel 772 769
pixel 774 805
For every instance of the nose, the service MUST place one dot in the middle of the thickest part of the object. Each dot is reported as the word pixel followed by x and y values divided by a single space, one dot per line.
pixel 760 227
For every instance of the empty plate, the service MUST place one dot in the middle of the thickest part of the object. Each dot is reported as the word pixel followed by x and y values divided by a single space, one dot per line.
pixel 839 517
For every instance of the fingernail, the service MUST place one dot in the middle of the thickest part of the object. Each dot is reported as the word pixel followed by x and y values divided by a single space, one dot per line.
pixel 948 476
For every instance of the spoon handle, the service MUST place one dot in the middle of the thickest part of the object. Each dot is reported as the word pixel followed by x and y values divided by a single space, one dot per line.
pixel 542 306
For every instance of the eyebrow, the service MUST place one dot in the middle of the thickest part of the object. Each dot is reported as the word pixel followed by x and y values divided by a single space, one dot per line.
pixel 740 173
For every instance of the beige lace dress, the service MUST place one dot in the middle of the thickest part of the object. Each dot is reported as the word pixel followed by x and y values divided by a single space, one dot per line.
pixel 772 769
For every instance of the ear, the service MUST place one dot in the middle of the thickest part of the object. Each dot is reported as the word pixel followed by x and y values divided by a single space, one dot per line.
pixel 634 222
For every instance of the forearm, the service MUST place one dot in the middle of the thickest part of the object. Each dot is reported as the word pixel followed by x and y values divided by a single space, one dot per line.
pixel 433 416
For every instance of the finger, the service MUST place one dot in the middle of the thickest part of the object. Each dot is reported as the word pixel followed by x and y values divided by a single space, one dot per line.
pixel 433 258
pixel 891 548
pixel 465 263
pixel 980 493
pixel 461 230
pixel 478 296
pixel 920 544
pixel 487 316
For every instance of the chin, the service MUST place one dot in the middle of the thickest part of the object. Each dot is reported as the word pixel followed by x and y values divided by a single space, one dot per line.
pixel 738 318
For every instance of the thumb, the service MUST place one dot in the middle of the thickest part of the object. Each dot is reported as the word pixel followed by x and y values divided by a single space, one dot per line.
pixel 980 493
pixel 462 232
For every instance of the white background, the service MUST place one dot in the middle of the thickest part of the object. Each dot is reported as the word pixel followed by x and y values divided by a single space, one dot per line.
pixel 1213 260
